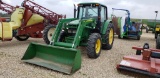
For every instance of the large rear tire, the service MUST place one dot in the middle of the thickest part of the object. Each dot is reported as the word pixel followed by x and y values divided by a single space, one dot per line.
pixel 108 38
pixel 94 45
pixel 158 42
pixel 47 33
pixel 155 35
pixel 22 37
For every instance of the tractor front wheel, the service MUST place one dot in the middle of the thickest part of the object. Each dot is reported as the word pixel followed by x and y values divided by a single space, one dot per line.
pixel 94 45
pixel 47 33
pixel 22 37
pixel 108 38
pixel 146 30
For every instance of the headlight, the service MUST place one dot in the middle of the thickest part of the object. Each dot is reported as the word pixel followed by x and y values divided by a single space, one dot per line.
pixel 72 31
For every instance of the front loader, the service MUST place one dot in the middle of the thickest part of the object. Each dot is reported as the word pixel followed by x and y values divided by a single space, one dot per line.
pixel 91 29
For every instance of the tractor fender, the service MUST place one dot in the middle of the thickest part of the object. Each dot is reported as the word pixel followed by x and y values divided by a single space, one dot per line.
pixel 105 25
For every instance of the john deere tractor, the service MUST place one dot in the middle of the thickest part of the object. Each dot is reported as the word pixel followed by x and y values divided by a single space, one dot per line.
pixel 91 29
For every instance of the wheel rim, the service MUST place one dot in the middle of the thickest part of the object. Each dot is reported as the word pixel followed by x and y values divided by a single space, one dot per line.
pixel 50 33
pixel 111 36
pixel 98 46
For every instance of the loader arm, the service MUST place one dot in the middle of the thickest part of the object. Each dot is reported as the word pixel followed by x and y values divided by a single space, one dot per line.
pixel 77 37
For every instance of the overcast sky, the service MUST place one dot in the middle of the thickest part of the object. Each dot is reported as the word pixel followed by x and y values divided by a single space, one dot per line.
pixel 138 8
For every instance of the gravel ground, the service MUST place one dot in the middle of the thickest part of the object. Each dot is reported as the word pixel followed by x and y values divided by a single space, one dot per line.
pixel 11 65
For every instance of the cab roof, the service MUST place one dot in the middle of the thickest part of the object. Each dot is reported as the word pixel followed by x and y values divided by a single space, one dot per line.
pixel 91 3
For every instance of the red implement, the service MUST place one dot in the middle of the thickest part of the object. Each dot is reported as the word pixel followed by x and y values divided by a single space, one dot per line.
pixel 147 63
pixel 46 13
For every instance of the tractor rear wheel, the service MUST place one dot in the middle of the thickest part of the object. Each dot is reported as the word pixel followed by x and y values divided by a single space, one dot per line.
pixel 22 37
pixel 108 38
pixel 47 33
pixel 155 35
pixel 158 42
pixel 94 45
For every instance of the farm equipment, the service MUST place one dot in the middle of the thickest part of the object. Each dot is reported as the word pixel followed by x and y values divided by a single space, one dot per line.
pixel 151 24
pixel 6 7
pixel 124 27
pixel 91 29
pixel 32 20
pixel 146 61
pixel 157 30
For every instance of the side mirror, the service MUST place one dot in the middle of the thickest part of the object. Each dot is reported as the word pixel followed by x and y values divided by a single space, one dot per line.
pixel 75 11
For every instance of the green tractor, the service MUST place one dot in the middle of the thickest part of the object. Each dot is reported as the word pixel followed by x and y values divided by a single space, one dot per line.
pixel 91 29
pixel 157 36
pixel 151 26
pixel 157 30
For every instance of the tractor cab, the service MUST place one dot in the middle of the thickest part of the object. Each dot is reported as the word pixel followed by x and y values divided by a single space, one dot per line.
pixel 94 11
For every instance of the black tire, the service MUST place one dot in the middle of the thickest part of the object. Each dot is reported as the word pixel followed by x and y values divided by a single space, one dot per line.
pixel 153 31
pixel 106 45
pixel 47 34
pixel 62 36
pixel 119 37
pixel 138 37
pixel 22 37
pixel 146 30
pixel 155 35
pixel 91 45
pixel 158 42
pixel 138 52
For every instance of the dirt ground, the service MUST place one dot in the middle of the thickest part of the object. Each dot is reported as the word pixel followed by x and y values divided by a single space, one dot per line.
pixel 11 65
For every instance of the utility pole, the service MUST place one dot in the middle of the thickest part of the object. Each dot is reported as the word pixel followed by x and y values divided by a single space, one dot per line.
pixel 155 20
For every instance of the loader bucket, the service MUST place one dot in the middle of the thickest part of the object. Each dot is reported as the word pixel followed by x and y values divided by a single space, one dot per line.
pixel 66 60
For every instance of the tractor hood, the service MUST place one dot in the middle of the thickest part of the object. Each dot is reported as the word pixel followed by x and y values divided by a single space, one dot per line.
pixel 75 22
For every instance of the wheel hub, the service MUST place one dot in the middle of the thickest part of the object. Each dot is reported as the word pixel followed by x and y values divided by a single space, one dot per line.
pixel 111 36
pixel 98 46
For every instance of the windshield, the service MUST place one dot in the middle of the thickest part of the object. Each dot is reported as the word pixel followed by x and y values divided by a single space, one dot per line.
pixel 86 12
